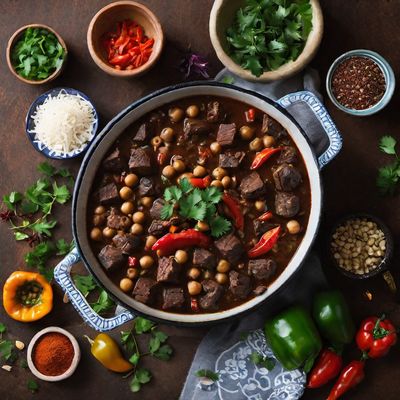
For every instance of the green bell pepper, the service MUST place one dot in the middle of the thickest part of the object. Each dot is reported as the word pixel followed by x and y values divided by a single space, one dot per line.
pixel 333 319
pixel 293 338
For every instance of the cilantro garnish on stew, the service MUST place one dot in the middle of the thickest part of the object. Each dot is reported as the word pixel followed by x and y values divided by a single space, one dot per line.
pixel 269 33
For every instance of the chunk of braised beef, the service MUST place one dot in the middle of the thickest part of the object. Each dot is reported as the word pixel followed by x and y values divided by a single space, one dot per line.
pixel 108 194
pixel 226 134
pixel 114 162
pixel 260 227
pixel 288 155
pixel 214 112
pixel 118 221
pixel 259 290
pixel 145 290
pixel 148 187
pixel 158 227
pixel 252 186
pixel 214 292
pixel 272 127
pixel 168 270
pixel 195 127
pixel 173 298
pixel 204 258
pixel 157 118
pixel 231 159
pixel 111 258
pixel 239 285
pixel 127 243
pixel 155 210
pixel 143 133
pixel 230 247
pixel 140 161
pixel 286 178
pixel 287 204
pixel 263 268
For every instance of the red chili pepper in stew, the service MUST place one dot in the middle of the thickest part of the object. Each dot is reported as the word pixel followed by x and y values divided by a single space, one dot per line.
pixel 234 209
pixel 266 243
pixel 201 183
pixel 132 262
pixel 376 336
pixel 171 242
pixel 350 376
pixel 194 304
pixel 263 156
pixel 161 158
pixel 266 216
pixel 327 367
pixel 250 115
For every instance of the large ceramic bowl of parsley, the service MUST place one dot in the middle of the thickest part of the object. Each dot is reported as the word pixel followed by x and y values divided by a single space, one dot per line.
pixel 268 42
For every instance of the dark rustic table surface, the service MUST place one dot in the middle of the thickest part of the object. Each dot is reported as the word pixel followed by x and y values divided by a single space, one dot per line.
pixel 349 181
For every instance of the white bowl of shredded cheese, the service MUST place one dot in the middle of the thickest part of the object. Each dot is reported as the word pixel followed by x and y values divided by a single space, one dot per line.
pixel 61 123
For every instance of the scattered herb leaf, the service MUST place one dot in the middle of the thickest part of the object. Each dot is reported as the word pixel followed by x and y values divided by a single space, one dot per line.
pixel 33 386
pixel 262 361
pixel 104 303
pixel 142 325
pixel 389 175
pixel 207 373
pixel 141 377
pixel 85 283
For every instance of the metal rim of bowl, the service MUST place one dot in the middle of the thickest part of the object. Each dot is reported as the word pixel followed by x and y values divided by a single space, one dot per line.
pixel 40 100
pixel 386 70
pixel 383 266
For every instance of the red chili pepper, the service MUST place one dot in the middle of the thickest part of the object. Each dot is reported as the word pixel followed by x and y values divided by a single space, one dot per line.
pixel 161 158
pixel 194 304
pixel 266 243
pixel 132 262
pixel 201 183
pixel 263 156
pixel 250 115
pixel 350 376
pixel 376 336
pixel 171 242
pixel 327 367
pixel 120 60
pixel 266 216
pixel 234 209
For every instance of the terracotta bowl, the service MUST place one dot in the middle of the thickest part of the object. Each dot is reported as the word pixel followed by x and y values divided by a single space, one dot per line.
pixel 13 40
pixel 222 17
pixel 106 20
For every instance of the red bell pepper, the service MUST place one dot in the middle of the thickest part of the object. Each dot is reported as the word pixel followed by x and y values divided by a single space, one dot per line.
pixel 266 216
pixel 201 183
pixel 376 336
pixel 263 156
pixel 266 243
pixel 234 209
pixel 326 368
pixel 350 376
pixel 171 242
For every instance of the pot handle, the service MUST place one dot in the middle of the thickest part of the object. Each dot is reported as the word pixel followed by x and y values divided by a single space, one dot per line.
pixel 62 275
pixel 322 115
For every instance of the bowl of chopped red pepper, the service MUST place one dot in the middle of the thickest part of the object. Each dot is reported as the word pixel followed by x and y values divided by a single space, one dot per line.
pixel 125 39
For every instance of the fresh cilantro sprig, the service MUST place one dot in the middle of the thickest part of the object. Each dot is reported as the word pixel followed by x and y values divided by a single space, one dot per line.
pixel 388 175
pixel 33 386
pixel 195 204
pixel 207 373
pixel 262 361
pixel 7 347
pixel 267 34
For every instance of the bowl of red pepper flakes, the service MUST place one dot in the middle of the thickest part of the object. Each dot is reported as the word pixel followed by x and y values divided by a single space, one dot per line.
pixel 125 39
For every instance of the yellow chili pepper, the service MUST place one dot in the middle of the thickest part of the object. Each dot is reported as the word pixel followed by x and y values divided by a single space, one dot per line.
pixel 27 296
pixel 105 349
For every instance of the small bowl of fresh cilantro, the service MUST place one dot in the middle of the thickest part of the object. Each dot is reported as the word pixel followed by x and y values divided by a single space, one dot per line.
pixel 36 54
pixel 266 40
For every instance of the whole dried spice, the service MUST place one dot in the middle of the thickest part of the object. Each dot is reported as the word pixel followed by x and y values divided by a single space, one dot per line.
pixel 358 83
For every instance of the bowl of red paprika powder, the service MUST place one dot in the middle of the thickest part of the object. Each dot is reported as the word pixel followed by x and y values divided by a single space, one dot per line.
pixel 53 354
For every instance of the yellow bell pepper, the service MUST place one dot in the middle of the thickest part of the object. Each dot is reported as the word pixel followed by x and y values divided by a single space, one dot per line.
pixel 27 296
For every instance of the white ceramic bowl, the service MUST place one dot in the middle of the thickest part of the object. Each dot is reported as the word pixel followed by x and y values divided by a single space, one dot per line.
pixel 74 363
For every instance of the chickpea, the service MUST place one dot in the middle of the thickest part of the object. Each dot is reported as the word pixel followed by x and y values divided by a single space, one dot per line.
pixel 192 111
pixel 126 193
pixel 150 240
pixel 126 285
pixel 219 173
pixel 96 234
pixel 181 256
pixel 226 182
pixel 215 148
pixel 156 141
pixel 146 201
pixel 268 141
pixel 175 114
pixel 223 266
pixel 132 273
pixel 131 180
pixel 167 134
pixel 109 232
pixel 260 205
pixel 202 226
pixel 146 262
pixel 99 220
pixel 137 229
pixel 127 207
pixel 138 217
pixel 168 171
pixel 293 227
pixel 194 273
pixel 246 132
pixel 99 210
pixel 179 166
pixel 199 171
pixel 221 278
pixel 194 288
pixel 256 144
pixel 217 183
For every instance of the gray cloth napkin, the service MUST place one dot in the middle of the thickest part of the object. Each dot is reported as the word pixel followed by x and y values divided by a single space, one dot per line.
pixel 224 349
